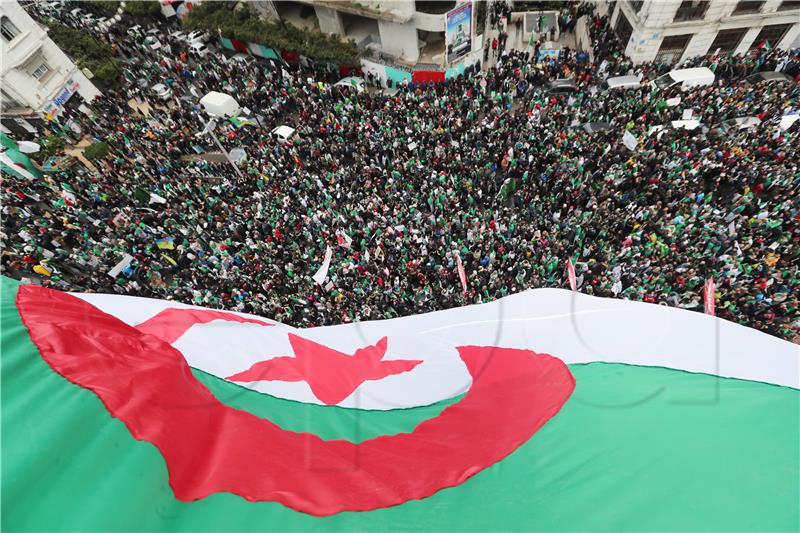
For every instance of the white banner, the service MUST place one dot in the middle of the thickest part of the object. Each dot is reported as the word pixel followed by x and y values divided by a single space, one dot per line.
pixel 119 267
pixel 629 141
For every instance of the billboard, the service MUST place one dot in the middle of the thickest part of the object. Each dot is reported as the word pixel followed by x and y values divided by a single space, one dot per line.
pixel 458 33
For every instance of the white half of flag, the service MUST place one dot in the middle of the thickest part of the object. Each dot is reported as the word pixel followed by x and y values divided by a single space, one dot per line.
pixel 572 326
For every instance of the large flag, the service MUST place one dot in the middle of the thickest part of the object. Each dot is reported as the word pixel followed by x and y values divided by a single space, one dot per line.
pixel 544 410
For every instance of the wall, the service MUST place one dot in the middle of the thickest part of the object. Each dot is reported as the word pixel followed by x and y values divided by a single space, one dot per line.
pixel 427 22
pixel 330 21
pixel 399 40
pixel 654 22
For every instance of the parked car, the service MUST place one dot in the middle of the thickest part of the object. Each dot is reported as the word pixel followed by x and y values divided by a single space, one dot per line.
pixel 768 76
pixel 198 49
pixel 197 36
pixel 152 43
pixel 685 77
pixel 562 86
pixel 161 91
pixel 178 35
pixel 622 82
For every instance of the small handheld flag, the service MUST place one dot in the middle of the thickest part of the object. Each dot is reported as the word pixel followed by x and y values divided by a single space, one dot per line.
pixel 708 297
pixel 322 273
pixel 462 275
pixel 167 243
pixel 571 275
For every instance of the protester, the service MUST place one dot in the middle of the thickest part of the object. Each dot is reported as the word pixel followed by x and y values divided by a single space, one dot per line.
pixel 490 168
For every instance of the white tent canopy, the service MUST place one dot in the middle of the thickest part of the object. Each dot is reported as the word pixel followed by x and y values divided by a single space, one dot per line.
pixel 220 105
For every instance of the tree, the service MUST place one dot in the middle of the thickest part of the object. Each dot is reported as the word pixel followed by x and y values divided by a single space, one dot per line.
pixel 51 145
pixel 244 24
pixel 97 150
pixel 86 51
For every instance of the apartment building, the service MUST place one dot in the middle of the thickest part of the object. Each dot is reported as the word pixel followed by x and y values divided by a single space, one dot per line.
pixel 37 79
pixel 673 30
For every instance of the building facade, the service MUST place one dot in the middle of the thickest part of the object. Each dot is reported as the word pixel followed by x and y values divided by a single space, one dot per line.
pixel 670 31
pixel 408 31
pixel 37 79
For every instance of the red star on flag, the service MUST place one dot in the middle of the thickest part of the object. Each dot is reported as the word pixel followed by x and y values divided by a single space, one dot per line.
pixel 331 374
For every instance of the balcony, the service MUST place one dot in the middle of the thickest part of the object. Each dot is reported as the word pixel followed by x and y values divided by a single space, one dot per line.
pixel 22 49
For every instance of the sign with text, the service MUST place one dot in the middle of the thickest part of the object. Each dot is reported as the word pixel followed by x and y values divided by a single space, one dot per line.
pixel 458 33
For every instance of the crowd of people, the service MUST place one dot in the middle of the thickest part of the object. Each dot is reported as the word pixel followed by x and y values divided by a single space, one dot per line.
pixel 491 168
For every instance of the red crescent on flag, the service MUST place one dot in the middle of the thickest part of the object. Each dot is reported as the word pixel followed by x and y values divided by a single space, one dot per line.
pixel 210 447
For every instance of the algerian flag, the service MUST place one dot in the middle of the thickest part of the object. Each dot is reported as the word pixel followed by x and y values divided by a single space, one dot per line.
pixel 546 410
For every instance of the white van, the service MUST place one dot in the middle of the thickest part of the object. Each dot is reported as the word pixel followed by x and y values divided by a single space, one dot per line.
pixel 686 77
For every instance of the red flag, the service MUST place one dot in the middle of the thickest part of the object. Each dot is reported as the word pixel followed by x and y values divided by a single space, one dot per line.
pixel 461 274
pixel 571 275
pixel 708 297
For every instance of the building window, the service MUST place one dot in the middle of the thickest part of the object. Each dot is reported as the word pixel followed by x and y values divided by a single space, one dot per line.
pixel 433 7
pixel 727 40
pixel 691 10
pixel 748 6
pixel 7 28
pixel 40 71
pixel 770 36
pixel 672 48
pixel 637 5
pixel 789 4
pixel 623 29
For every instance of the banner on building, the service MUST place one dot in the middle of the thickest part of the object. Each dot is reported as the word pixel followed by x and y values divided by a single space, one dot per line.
pixel 458 33
pixel 53 109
